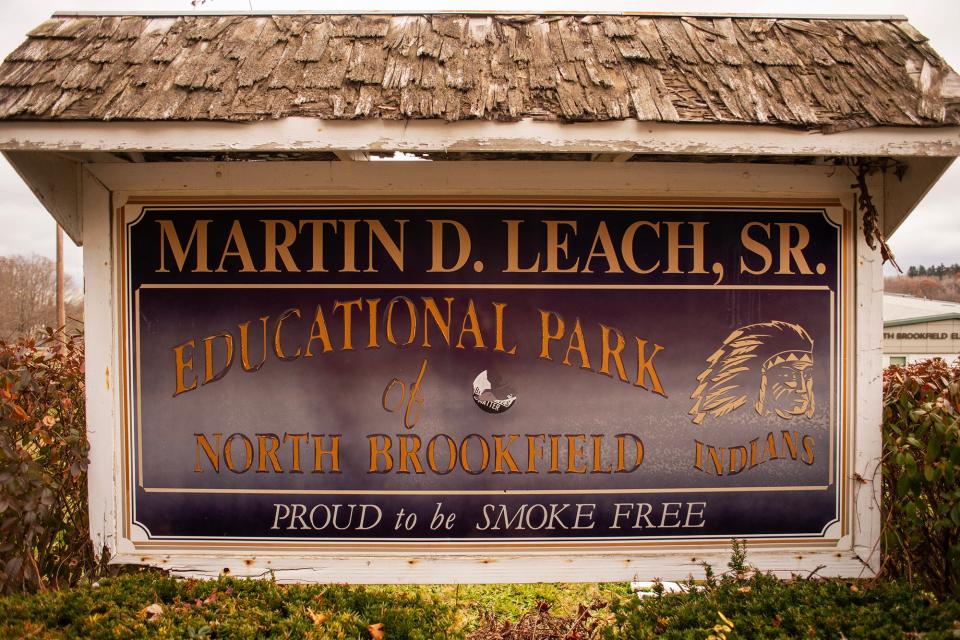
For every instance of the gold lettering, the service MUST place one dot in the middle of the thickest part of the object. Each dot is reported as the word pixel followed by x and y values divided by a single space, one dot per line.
pixel 772 447
pixel 295 440
pixel 380 451
pixel 791 441
pixel 716 458
pixel 554 453
pixel 318 331
pixel 374 340
pixel 277 346
pixel 626 246
pixel 333 452
pixel 534 451
pixel 674 246
pixel 268 453
pixel 738 459
pixel 484 455
pixel 198 233
pixel 430 309
pixel 471 325
pixel 546 336
pixel 347 320
pixel 209 375
pixel 228 453
pixel 598 455
pixel 411 312
pixel 580 347
pixel 556 247
pixel 409 454
pixel 574 452
pixel 612 352
pixel 393 249
pixel 350 246
pixel 756 247
pixel 244 347
pixel 513 250
pixel 316 226
pixel 272 248
pixel 621 452
pixel 807 443
pixel 609 253
pixel 463 246
pixel 498 309
pixel 645 367
pixel 790 253
pixel 501 454
pixel 242 251
pixel 213 454
pixel 451 454
pixel 182 365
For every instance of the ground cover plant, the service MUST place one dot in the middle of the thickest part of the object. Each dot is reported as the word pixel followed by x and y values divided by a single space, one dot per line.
pixel 148 604
pixel 740 603
pixel 746 603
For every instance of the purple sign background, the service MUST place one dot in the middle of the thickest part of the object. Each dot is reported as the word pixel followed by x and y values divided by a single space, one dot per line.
pixel 563 382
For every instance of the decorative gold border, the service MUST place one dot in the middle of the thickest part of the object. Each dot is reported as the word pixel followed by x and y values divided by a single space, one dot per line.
pixel 846 247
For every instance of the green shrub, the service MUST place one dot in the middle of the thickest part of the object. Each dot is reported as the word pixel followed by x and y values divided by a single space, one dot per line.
pixel 744 603
pixel 44 527
pixel 740 604
pixel 921 474
pixel 148 604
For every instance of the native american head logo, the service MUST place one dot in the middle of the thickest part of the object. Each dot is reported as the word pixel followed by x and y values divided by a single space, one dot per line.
pixel 769 364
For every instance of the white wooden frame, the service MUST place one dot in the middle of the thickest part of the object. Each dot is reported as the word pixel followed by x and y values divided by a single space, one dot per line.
pixel 108 186
pixel 48 154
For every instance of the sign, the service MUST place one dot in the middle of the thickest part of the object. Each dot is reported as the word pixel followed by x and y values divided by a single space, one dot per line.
pixel 481 375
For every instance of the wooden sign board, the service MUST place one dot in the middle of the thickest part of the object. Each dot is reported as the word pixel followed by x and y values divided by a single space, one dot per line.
pixel 348 378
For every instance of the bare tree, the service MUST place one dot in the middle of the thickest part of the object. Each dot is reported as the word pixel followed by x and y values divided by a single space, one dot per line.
pixel 28 287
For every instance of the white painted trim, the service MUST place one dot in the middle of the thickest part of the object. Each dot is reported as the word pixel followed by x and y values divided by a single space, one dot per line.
pixel 55 180
pixel 483 177
pixel 473 12
pixel 102 399
pixel 867 446
pixel 512 568
pixel 531 136
pixel 901 196
pixel 850 557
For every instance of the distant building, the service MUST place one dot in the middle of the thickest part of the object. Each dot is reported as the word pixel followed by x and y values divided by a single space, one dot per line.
pixel 916 329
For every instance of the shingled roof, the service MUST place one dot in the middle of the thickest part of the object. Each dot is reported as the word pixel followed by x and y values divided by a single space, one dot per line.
pixel 826 74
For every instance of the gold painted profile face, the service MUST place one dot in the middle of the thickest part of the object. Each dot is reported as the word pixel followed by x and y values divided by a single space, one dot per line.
pixel 787 387
pixel 768 365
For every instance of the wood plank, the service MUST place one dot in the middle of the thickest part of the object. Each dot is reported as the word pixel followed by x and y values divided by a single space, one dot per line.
pixel 55 181
pixel 101 365
pixel 405 568
pixel 308 134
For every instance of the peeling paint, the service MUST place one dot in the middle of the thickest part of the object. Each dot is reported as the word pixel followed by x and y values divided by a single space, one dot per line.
pixel 429 136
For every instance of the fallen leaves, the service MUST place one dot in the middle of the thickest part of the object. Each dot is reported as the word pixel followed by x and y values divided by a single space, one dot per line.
pixel 376 631
pixel 540 624
pixel 317 618
pixel 152 612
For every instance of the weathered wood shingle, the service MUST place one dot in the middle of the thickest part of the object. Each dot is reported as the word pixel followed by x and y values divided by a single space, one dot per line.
pixel 813 73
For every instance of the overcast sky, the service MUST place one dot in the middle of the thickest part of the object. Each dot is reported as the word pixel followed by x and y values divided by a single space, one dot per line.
pixel 931 235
